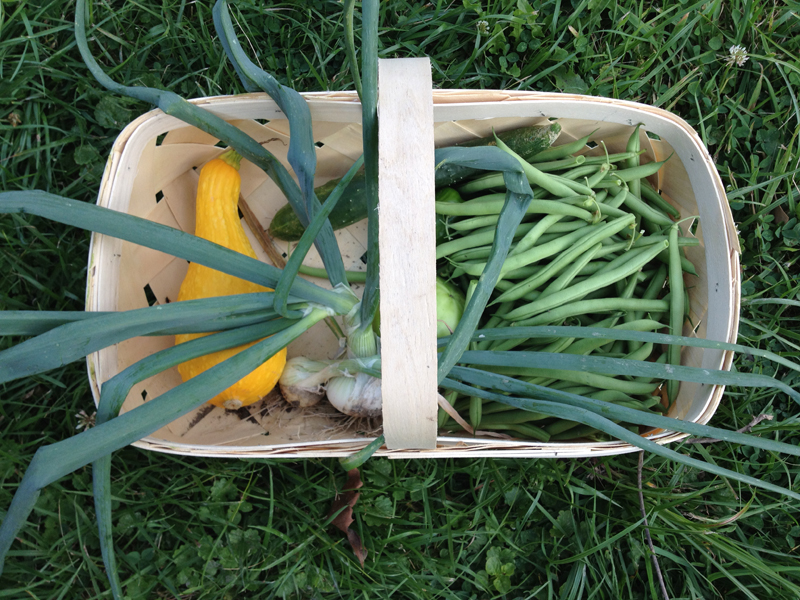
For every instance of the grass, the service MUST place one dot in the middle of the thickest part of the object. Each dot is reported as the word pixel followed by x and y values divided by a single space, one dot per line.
pixel 485 528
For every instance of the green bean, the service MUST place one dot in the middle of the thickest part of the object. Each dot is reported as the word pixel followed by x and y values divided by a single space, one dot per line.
pixel 555 346
pixel 581 431
pixel 569 274
pixel 580 390
pixel 462 404
pixel 575 186
pixel 451 397
pixel 563 150
pixel 627 291
pixel 640 172
pixel 530 239
pixel 608 182
pixel 527 430
pixel 482 183
pixel 559 345
pixel 593 235
pixel 491 407
pixel 580 346
pixel 482 252
pixel 494 321
pixel 676 312
pixel 529 256
pixel 475 402
pixel 560 426
pixel 651 403
pixel 654 287
pixel 638 206
pixel 521 273
pixel 544 180
pixel 476 239
pixel 593 379
pixel 634 144
pixel 612 158
pixel 595 282
pixel 686 264
pixel 656 283
pixel 479 253
pixel 595 305
pixel 641 353
pixel 654 239
pixel 662 359
pixel 654 197
pixel 618 199
pixel 601 172
pixel 557 165
pixel 608 252
pixel 474 223
pixel 612 396
pixel 611 211
pixel 512 417
pixel 566 225
pixel 617 349
pixel 581 201
pixel 580 172
pixel 493 204
pixel 475 411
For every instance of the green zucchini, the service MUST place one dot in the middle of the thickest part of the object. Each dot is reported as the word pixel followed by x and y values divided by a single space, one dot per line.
pixel 352 207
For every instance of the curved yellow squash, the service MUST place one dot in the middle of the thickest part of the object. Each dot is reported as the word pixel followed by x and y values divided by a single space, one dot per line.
pixel 218 221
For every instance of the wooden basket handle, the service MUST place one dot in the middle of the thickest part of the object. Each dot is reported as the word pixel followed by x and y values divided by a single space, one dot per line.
pixel 407 234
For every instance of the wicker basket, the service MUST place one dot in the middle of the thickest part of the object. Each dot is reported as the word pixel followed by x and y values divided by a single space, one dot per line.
pixel 151 173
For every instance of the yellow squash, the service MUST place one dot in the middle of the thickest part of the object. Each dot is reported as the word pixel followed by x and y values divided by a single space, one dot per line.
pixel 218 221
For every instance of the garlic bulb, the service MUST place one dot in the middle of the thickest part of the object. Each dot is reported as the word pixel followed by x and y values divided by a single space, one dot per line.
pixel 302 381
pixel 356 395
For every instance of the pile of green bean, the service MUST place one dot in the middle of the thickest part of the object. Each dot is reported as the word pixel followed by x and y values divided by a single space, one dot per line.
pixel 599 247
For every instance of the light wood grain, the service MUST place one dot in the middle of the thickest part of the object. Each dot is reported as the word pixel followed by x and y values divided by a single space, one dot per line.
pixel 408 246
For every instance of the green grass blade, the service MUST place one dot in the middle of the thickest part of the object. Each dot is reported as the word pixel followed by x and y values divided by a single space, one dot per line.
pixel 64 344
pixel 619 366
pixel 504 384
pixel 53 462
pixel 113 395
pixel 160 237
pixel 518 197
pixel 572 413
pixel 307 239
pixel 302 155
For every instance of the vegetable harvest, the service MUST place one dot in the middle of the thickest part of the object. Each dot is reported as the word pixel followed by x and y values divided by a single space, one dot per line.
pixel 560 334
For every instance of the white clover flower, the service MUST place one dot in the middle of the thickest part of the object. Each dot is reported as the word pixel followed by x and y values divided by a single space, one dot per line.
pixel 85 421
pixel 483 27
pixel 738 56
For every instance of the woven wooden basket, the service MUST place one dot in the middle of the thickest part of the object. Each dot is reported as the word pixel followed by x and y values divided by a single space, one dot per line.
pixel 152 173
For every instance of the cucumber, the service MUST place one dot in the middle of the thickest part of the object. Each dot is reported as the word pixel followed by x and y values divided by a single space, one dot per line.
pixel 525 141
pixel 352 207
